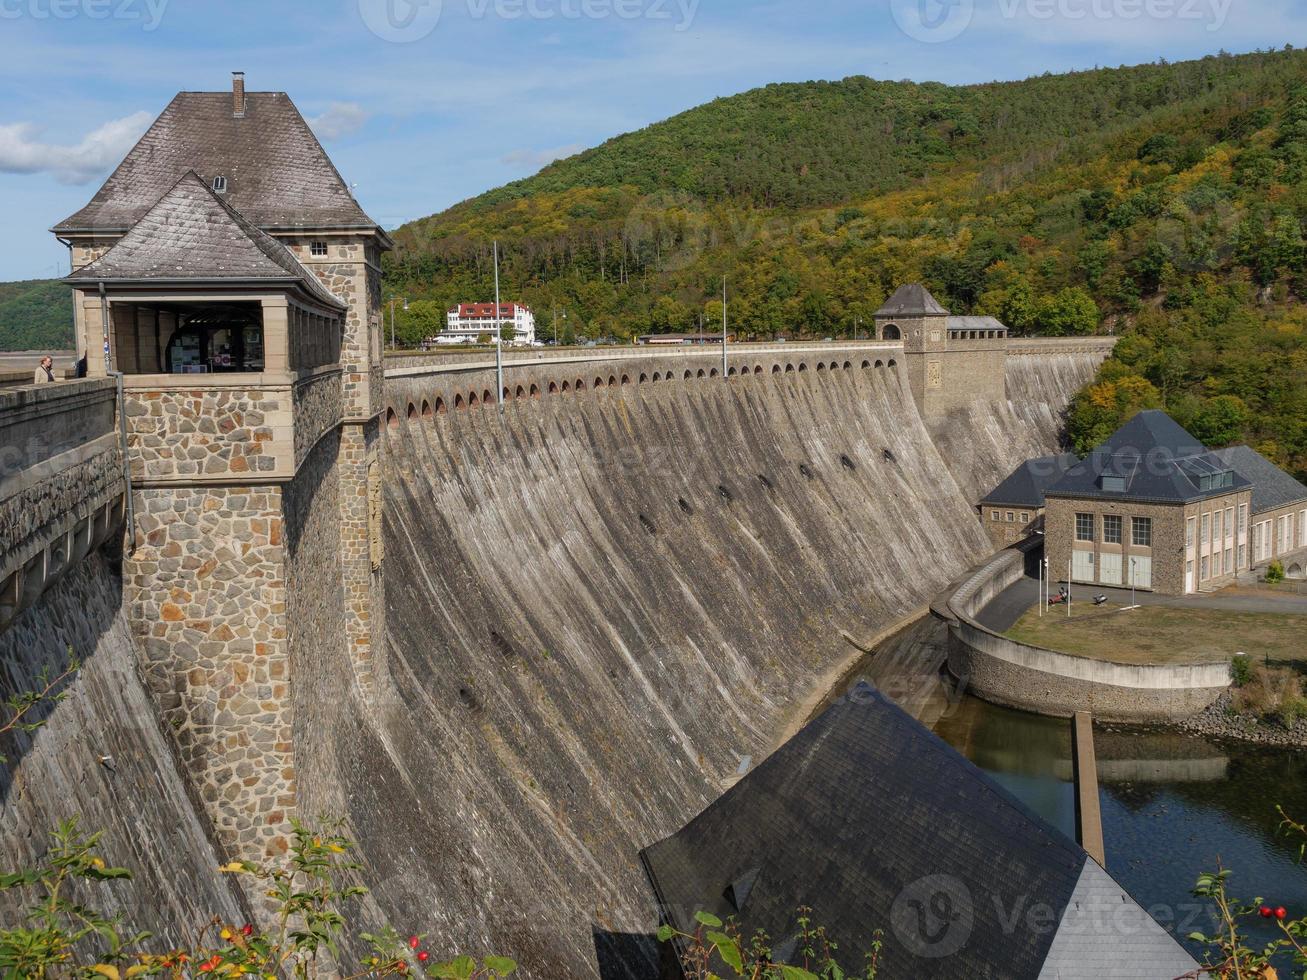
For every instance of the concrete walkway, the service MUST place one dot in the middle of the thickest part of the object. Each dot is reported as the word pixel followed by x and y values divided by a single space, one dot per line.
pixel 1013 602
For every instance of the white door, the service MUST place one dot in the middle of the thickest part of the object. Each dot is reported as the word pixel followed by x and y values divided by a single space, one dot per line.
pixel 1082 566
pixel 1188 577
pixel 1143 572
pixel 1109 569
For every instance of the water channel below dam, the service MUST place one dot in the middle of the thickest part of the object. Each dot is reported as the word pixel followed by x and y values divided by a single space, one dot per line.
pixel 1173 804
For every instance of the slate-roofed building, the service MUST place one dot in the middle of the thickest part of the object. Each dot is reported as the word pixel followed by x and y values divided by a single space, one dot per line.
pixel 1014 509
pixel 1154 508
pixel 876 824
pixel 951 362
pixel 226 271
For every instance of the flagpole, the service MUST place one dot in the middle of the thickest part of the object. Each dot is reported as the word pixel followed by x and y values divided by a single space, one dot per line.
pixel 499 339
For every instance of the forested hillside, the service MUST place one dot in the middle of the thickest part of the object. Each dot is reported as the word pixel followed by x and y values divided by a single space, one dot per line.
pixel 1164 201
pixel 36 315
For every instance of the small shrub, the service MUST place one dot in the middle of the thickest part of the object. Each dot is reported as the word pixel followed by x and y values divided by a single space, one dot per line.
pixel 1271 694
pixel 1241 671
pixel 1275 573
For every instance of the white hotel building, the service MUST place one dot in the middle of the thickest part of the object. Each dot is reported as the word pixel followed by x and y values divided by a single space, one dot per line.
pixel 467 322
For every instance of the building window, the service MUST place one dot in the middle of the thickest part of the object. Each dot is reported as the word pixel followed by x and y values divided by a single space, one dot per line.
pixel 318 249
pixel 1229 522
pixel 1302 529
pixel 219 185
pixel 1112 528
pixel 1084 527
pixel 1189 533
pixel 1141 532
pixel 1205 535
pixel 995 516
pixel 1229 562
pixel 1204 569
pixel 1216 529
pixel 1243 556
pixel 1025 518
pixel 1011 517
pixel 1216 564
pixel 1243 518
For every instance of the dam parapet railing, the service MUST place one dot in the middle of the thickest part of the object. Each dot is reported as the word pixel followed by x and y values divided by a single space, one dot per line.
pixel 1018 675
pixel 62 487
pixel 425 389
pixel 400 365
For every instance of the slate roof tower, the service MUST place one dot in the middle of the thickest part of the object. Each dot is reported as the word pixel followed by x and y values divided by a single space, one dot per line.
pixel 226 270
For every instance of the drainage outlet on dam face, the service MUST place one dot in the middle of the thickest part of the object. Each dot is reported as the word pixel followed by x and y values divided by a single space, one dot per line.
pixel 847 463
pixel 689 511
pixel 807 473
pixel 766 483
pixel 725 493
pixel 648 525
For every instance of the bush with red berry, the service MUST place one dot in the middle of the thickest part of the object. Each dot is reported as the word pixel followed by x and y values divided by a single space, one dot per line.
pixel 62 938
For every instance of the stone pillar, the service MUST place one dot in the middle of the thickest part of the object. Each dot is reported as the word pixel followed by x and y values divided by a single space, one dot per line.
pixel 206 591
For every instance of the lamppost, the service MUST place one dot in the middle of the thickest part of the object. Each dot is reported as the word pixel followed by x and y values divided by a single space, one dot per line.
pixel 556 324
pixel 1133 573
pixel 392 319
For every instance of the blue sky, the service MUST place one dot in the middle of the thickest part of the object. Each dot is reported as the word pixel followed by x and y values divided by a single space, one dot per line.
pixel 424 104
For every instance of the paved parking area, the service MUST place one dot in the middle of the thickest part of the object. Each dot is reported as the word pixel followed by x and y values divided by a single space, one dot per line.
pixel 1011 604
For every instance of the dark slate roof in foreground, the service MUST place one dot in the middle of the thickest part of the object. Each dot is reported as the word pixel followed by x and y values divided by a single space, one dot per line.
pixel 875 823
pixel 1027 483
pixel 912 299
pixel 193 235
pixel 1155 460
pixel 277 173
pixel 1272 487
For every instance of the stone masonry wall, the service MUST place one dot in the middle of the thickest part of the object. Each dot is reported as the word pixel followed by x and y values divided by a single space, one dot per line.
pixel 103 757
pixel 360 529
pixel 206 432
pixel 317 402
pixel 206 590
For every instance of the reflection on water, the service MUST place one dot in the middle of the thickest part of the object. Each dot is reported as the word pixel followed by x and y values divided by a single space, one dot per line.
pixel 1173 805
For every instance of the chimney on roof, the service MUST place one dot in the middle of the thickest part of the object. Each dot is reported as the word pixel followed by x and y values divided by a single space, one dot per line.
pixel 238 94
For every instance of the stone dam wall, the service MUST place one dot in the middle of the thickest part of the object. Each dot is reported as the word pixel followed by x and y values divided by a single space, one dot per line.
pixel 600 610
pixel 104 757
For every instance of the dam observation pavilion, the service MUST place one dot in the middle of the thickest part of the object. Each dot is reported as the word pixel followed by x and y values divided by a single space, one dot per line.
pixel 225 273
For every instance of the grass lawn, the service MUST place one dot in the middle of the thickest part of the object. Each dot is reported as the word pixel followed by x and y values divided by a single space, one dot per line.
pixel 1162 634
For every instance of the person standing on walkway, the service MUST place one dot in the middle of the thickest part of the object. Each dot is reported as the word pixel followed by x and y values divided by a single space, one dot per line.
pixel 45 372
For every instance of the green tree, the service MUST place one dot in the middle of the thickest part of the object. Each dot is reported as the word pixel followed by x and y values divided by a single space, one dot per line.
pixel 1070 312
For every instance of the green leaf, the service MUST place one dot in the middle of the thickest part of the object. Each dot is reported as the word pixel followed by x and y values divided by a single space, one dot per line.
pixel 797 973
pixel 708 919
pixel 457 969
pixel 501 966
pixel 728 950
pixel 665 933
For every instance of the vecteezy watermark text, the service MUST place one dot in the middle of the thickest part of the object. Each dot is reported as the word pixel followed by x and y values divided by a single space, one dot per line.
pixel 405 21
pixel 148 12
pixel 935 21
pixel 1211 12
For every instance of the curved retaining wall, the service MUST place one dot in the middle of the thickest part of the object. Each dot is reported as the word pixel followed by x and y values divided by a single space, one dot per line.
pixel 1015 674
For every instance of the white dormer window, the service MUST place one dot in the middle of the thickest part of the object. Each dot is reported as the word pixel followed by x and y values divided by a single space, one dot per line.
pixel 318 248
pixel 220 185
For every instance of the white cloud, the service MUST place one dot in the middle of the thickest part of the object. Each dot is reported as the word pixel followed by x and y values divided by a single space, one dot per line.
pixel 540 158
pixel 22 152
pixel 340 120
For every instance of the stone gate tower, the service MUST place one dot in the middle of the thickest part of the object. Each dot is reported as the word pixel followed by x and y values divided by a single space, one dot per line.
pixel 951 362
pixel 227 272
